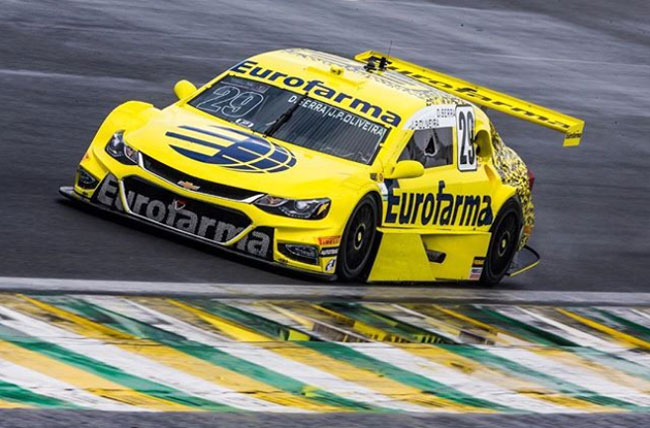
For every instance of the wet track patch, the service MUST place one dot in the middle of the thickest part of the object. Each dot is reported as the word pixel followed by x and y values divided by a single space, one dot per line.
pixel 221 354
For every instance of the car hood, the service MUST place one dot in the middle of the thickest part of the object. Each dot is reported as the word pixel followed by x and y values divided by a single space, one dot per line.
pixel 213 150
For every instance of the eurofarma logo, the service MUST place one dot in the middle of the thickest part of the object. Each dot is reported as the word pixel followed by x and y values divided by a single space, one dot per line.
pixel 441 208
pixel 319 88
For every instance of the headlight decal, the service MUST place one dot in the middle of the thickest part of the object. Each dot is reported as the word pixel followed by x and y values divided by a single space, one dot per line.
pixel 120 151
pixel 307 209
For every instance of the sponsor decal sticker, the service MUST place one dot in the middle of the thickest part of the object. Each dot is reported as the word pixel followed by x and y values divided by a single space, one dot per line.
pixel 188 216
pixel 329 252
pixel 441 208
pixel 318 88
pixel 495 102
pixel 433 116
pixel 383 190
pixel 178 204
pixel 329 240
pixel 477 268
pixel 330 265
pixel 233 149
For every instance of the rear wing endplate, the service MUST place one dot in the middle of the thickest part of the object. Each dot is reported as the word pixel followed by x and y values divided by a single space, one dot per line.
pixel 571 127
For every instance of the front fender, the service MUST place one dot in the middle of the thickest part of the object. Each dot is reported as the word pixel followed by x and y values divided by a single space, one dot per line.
pixel 128 116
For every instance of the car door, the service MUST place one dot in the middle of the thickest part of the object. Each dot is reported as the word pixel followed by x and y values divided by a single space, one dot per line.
pixel 439 222
pixel 451 192
pixel 426 201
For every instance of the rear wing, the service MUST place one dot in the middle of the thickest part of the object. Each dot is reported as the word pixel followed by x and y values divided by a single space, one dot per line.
pixel 571 127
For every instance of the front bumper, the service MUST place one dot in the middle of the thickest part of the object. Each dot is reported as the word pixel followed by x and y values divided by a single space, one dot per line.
pixel 69 192
pixel 235 226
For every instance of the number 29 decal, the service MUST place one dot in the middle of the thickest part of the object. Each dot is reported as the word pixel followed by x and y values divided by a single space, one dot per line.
pixel 231 101
pixel 465 136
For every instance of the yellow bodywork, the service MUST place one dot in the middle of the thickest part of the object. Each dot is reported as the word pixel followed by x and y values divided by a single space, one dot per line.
pixel 411 229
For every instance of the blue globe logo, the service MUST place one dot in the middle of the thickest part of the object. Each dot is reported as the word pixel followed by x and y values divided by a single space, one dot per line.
pixel 237 150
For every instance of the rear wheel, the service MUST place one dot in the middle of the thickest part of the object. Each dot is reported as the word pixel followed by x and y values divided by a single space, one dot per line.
pixel 358 243
pixel 503 243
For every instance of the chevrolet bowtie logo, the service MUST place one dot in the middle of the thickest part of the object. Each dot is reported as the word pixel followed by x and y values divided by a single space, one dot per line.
pixel 188 185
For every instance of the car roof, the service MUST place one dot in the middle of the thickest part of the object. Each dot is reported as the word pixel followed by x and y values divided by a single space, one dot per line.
pixel 392 91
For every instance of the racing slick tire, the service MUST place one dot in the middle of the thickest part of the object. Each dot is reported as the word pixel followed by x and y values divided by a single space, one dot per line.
pixel 357 247
pixel 506 233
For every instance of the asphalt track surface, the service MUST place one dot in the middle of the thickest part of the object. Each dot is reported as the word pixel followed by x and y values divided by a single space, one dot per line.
pixel 65 64
pixel 66 419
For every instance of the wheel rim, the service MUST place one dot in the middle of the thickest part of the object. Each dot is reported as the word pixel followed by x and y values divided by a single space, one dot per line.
pixel 360 239
pixel 504 246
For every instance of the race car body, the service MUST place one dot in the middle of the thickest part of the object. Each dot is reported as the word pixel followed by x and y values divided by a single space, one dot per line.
pixel 372 168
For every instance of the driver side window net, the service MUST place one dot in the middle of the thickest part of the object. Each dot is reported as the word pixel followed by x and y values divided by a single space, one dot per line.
pixel 430 147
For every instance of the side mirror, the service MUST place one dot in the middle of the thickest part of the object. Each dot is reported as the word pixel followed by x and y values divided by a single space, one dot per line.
pixel 184 88
pixel 483 145
pixel 406 169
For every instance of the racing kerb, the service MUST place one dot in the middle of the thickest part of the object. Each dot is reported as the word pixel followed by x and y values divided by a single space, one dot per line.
pixel 320 348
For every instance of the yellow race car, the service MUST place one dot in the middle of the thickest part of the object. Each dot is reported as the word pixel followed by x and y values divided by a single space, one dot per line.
pixel 367 169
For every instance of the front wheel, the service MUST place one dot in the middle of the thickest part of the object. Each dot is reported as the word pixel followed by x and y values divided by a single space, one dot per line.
pixel 358 241
pixel 503 243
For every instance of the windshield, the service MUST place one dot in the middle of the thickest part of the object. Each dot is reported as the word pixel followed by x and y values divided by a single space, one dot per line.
pixel 312 124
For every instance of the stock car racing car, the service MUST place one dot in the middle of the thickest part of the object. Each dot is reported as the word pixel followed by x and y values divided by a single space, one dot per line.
pixel 367 169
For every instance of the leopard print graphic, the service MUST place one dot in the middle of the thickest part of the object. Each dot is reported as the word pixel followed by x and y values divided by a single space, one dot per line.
pixel 513 172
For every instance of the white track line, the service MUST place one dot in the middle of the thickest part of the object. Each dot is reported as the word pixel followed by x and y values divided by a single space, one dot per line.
pixel 580 337
pixel 583 377
pixel 49 386
pixel 137 365
pixel 265 358
pixel 456 379
pixel 445 375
